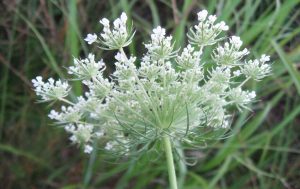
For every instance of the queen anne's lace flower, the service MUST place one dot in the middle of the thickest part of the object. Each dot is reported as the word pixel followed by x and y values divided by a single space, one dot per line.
pixel 87 68
pixel 170 94
pixel 51 90
pixel 99 87
pixel 69 114
pixel 160 47
pixel 189 58
pixel 257 69
pixel 229 54
pixel 206 31
pixel 120 36
pixel 241 98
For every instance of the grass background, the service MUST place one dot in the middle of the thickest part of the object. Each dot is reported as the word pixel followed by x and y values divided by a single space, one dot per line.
pixel 40 37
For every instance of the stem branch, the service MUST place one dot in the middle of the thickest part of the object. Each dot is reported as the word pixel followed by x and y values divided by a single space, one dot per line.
pixel 170 162
pixel 66 101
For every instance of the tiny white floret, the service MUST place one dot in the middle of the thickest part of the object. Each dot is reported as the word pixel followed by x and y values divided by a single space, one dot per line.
pixel 91 38
pixel 88 149
pixel 202 15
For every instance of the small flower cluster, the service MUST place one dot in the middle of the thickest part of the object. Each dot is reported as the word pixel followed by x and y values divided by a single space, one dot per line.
pixel 230 54
pixel 120 36
pixel 206 32
pixel 87 68
pixel 160 47
pixel 51 90
pixel 171 93
pixel 257 69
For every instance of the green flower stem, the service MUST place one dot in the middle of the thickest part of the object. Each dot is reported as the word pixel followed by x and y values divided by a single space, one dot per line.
pixel 170 162
pixel 66 101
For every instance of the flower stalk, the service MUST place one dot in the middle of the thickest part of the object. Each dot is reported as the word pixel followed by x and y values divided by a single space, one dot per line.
pixel 170 162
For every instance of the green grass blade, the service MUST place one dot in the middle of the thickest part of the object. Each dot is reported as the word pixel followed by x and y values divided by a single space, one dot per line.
pixel 288 65
pixel 52 61
pixel 72 41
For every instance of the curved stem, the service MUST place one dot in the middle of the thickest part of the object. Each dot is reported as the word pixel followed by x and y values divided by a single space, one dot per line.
pixel 66 101
pixel 181 166
pixel 245 81
pixel 170 162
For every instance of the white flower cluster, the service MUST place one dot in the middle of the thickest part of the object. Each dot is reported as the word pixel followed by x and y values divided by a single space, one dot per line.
pixel 189 58
pixel 160 47
pixel 68 114
pixel 116 38
pixel 257 69
pixel 87 68
pixel 83 133
pixel 206 31
pixel 241 98
pixel 230 54
pixel 51 90
pixel 170 93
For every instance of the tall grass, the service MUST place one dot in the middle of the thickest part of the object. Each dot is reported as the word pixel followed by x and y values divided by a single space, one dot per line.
pixel 40 37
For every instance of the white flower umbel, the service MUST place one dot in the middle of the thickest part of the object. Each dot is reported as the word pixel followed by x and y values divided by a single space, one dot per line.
pixel 189 58
pixel 119 36
pixel 51 90
pixel 206 31
pixel 99 87
pixel 69 114
pixel 160 47
pixel 257 69
pixel 241 98
pixel 170 98
pixel 87 68
pixel 230 54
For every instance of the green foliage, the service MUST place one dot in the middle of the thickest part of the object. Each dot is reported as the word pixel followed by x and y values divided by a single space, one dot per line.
pixel 43 36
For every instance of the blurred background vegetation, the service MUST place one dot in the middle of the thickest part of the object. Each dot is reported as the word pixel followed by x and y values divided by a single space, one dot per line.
pixel 40 37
